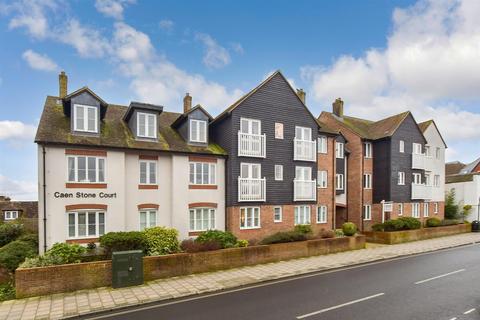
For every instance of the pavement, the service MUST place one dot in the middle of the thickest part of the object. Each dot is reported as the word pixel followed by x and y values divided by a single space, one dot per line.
pixel 88 303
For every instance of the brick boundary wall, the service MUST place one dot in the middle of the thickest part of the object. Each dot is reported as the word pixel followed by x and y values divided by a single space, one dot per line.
pixel 395 237
pixel 31 282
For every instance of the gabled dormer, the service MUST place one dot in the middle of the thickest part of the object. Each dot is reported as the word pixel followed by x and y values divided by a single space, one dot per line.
pixel 84 108
pixel 193 123
pixel 142 119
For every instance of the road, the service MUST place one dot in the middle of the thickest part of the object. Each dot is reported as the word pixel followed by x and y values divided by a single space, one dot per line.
pixel 440 285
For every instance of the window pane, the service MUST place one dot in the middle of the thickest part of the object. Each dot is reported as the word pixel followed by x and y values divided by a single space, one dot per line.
pixel 153 174
pixel 192 219
pixel 82 169
pixel 205 173
pixel 151 125
pixel 153 219
pixel 244 126
pixel 255 127
pixel 92 223
pixel 213 174
pixel 141 124
pixel 242 217
pixel 205 219
pixel 80 117
pixel 194 130
pixel 71 225
pixel 82 225
pixel 143 172
pixel 101 223
pixel 92 114
pixel 198 177
pixel 212 218
pixel 203 131
pixel 143 220
pixel 101 170
pixel 92 166
pixel 192 173
pixel 71 169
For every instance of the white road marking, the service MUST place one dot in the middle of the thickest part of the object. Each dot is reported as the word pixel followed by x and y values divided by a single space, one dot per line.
pixel 440 276
pixel 340 306
pixel 469 311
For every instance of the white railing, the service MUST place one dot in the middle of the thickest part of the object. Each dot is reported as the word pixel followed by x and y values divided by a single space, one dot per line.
pixel 304 150
pixel 304 190
pixel 418 161
pixel 421 191
pixel 251 189
pixel 251 145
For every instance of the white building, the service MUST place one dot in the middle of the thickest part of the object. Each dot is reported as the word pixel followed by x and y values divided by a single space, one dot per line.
pixel 106 168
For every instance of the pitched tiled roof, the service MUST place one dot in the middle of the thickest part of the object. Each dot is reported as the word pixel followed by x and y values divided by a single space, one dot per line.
pixel 29 209
pixel 470 168
pixel 424 125
pixel 325 128
pixel 453 167
pixel 54 128
pixel 455 178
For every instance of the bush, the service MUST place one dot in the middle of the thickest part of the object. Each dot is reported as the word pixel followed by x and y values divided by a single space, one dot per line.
pixel 393 225
pixel 450 222
pixel 433 222
pixel 122 241
pixel 30 237
pixel 451 206
pixel 282 237
pixel 42 261
pixel 349 228
pixel 339 233
pixel 411 223
pixel 378 227
pixel 14 253
pixel 10 232
pixel 326 234
pixel 191 246
pixel 242 243
pixel 303 228
pixel 7 291
pixel 68 253
pixel 225 238
pixel 161 240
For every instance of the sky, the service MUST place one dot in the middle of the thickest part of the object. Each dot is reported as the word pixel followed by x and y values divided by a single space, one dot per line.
pixel 380 57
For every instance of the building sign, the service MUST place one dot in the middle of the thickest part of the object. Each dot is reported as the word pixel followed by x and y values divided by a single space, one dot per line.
pixel 84 195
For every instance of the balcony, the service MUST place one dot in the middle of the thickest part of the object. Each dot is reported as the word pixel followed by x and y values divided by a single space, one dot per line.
pixel 251 189
pixel 418 161
pixel 304 150
pixel 251 145
pixel 421 191
pixel 304 190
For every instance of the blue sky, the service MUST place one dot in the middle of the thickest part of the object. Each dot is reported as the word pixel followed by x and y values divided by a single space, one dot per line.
pixel 381 57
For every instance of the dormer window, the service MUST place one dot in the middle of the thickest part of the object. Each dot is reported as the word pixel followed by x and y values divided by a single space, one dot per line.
pixel 198 131
pixel 85 118
pixel 146 125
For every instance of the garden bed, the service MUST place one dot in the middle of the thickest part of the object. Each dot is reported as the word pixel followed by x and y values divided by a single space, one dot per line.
pixel 394 237
pixel 63 278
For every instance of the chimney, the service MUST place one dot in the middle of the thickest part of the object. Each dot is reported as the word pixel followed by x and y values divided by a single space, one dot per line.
pixel 338 107
pixel 62 83
pixel 301 94
pixel 187 103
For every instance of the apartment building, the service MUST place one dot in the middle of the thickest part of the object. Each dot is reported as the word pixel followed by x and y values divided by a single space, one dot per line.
pixel 105 167
pixel 393 167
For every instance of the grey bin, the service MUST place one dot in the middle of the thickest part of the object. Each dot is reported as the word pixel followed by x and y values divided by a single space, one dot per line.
pixel 476 226
pixel 127 268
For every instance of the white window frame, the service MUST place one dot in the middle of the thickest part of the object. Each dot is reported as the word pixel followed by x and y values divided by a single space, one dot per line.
pixel 426 209
pixel 302 215
pixel 97 169
pixel 147 172
pixel 417 148
pixel 322 214
pixel 436 180
pixel 212 173
pixel 250 166
pixel 279 130
pixel 401 146
pixel 148 222
pixel 367 212
pixel 435 207
pixel 148 118
pixel 196 136
pixel 322 144
pixel 249 220
pixel 339 181
pixel 367 181
pixel 401 178
pixel 417 178
pixel 339 150
pixel 85 109
pixel 400 209
pixel 305 133
pixel 368 150
pixel 322 179
pixel 416 209
pixel 11 215
pixel 198 225
pixel 437 153
pixel 278 172
pixel 280 214
pixel 97 223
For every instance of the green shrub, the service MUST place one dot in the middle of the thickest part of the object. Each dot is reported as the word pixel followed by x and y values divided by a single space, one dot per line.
pixel 242 243
pixel 30 237
pixel 122 241
pixel 433 222
pixel 303 228
pixel 161 240
pixel 393 225
pixel 326 234
pixel 378 227
pixel 42 261
pixel 411 223
pixel 349 228
pixel 14 253
pixel 449 222
pixel 10 232
pixel 282 237
pixel 339 233
pixel 68 253
pixel 191 246
pixel 7 291
pixel 225 238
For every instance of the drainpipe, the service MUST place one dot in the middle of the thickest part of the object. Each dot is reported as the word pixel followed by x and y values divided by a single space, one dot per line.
pixel 44 202
pixel 362 175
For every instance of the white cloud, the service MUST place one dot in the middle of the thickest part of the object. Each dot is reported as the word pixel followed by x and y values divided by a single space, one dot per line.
pixel 31 15
pixel 88 42
pixel 39 62
pixel 13 130
pixel 237 47
pixel 18 190
pixel 166 25
pixel 112 8
pixel 429 66
pixel 215 56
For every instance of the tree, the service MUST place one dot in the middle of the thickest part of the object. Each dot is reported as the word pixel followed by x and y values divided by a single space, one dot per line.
pixel 467 209
pixel 451 208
